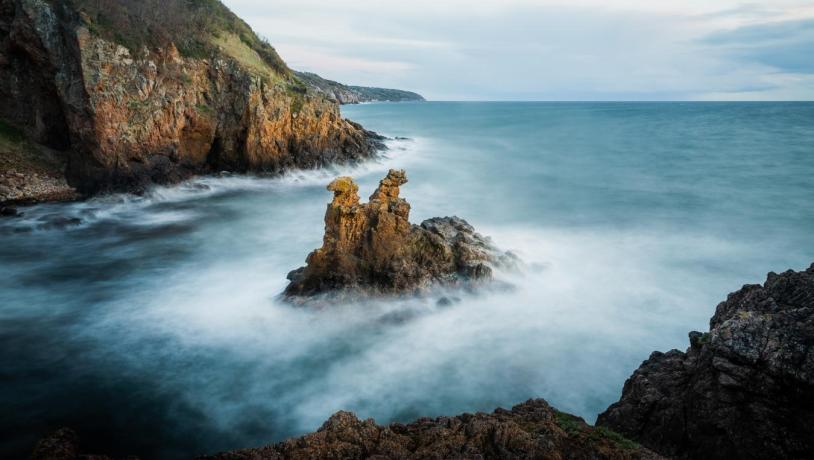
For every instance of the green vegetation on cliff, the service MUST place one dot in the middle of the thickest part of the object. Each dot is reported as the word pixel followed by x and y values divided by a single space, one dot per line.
pixel 203 28
pixel 345 94
pixel 577 428
pixel 198 28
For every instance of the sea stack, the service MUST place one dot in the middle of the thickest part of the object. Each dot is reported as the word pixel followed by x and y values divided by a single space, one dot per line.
pixel 371 248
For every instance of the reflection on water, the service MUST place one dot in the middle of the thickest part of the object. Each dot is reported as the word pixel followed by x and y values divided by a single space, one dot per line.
pixel 152 324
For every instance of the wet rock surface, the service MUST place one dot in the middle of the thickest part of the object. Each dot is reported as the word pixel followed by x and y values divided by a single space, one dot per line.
pixel 745 389
pixel 372 248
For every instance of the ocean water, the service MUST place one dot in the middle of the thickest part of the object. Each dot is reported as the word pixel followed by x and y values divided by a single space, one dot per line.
pixel 153 326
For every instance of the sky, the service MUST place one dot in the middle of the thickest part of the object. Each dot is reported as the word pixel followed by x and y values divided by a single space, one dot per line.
pixel 550 49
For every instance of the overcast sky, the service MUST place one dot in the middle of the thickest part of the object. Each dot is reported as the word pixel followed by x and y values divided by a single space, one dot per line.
pixel 550 49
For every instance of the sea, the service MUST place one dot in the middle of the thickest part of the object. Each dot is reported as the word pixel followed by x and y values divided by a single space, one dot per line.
pixel 153 324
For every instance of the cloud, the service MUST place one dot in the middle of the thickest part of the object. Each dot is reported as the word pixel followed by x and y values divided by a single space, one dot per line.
pixel 310 58
pixel 786 46
pixel 547 49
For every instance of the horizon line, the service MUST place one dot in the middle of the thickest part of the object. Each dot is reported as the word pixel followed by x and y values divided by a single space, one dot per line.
pixel 599 100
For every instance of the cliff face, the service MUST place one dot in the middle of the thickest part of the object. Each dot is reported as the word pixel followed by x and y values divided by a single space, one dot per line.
pixel 373 248
pixel 346 94
pixel 745 389
pixel 125 117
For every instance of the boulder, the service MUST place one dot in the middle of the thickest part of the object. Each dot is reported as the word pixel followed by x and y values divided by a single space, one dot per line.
pixel 745 389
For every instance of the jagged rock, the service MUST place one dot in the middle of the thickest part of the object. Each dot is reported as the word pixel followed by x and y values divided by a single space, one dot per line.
pixel 532 430
pixel 743 390
pixel 372 248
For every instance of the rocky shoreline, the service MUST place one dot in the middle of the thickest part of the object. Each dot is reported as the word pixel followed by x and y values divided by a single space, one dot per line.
pixel 17 189
pixel 97 101
pixel 745 389
pixel 531 430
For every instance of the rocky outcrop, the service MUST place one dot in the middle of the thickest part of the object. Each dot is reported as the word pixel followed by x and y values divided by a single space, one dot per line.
pixel 128 116
pixel 532 430
pixel 743 390
pixel 372 248
pixel 346 94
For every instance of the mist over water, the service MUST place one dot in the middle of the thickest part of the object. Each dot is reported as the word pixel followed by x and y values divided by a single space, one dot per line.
pixel 153 325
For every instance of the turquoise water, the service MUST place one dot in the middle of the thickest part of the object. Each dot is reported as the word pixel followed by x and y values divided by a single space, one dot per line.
pixel 152 323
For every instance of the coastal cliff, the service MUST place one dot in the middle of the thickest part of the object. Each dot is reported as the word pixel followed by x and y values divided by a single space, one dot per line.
pixel 745 389
pixel 372 248
pixel 131 93
pixel 348 94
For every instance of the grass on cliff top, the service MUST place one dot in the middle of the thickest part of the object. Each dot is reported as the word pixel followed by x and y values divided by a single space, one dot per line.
pixel 196 27
pixel 234 47
pixel 575 426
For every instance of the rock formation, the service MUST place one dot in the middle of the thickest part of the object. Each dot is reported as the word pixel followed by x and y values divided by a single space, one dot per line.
pixel 154 91
pixel 743 390
pixel 373 248
pixel 532 430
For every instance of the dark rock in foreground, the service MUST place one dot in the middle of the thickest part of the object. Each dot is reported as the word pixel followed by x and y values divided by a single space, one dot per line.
pixel 373 249
pixel 743 390
pixel 531 430
pixel 9 211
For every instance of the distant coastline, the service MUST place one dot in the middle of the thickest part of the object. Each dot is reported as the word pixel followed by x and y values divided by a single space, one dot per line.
pixel 348 94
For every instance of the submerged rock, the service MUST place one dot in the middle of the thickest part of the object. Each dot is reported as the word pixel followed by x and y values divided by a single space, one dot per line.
pixel 529 430
pixel 372 248
pixel 9 211
pixel 745 389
